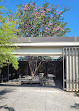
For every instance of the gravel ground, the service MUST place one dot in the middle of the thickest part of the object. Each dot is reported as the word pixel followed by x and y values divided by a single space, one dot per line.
pixel 24 98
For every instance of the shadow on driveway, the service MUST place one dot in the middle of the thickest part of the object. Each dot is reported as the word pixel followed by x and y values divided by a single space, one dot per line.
pixel 7 108
pixel 76 106
pixel 4 91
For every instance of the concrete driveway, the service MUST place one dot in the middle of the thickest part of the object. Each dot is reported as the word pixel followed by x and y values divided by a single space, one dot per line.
pixel 18 98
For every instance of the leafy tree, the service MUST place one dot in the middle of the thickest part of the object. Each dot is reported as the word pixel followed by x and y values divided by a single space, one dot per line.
pixel 7 33
pixel 41 21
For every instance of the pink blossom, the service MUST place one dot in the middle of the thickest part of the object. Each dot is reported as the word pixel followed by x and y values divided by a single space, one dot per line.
pixel 57 10
pixel 50 23
pixel 0 20
pixel 55 29
pixel 61 15
pixel 58 5
pixel 29 8
pixel 52 27
pixel 46 28
pixel 40 8
pixel 60 12
pixel 42 11
pixel 36 17
pixel 55 35
pixel 25 8
pixel 42 14
pixel 33 6
pixel 36 13
pixel 8 19
pixel 59 27
pixel 48 9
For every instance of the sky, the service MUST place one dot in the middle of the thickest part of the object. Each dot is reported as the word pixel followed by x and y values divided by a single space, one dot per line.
pixel 71 16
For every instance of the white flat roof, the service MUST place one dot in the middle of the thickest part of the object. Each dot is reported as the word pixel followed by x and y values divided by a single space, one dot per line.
pixel 48 44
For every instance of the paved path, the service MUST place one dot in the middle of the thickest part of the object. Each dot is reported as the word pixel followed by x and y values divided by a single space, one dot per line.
pixel 36 99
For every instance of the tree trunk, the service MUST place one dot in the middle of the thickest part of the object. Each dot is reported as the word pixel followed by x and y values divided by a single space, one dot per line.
pixel 34 65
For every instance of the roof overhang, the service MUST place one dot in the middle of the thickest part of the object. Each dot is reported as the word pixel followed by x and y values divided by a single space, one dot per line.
pixel 48 44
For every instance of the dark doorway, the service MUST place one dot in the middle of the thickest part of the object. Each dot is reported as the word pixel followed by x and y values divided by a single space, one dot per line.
pixel 53 70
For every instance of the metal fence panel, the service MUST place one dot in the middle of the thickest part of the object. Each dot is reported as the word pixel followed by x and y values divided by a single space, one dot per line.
pixel 71 56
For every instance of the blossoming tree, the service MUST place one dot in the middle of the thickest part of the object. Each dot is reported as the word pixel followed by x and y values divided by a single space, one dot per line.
pixel 42 21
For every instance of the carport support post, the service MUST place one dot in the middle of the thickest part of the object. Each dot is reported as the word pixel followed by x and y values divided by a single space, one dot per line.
pixel 8 72
pixel 46 70
pixel 63 69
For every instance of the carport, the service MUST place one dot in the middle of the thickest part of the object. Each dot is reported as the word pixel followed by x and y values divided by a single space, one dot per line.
pixel 65 49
